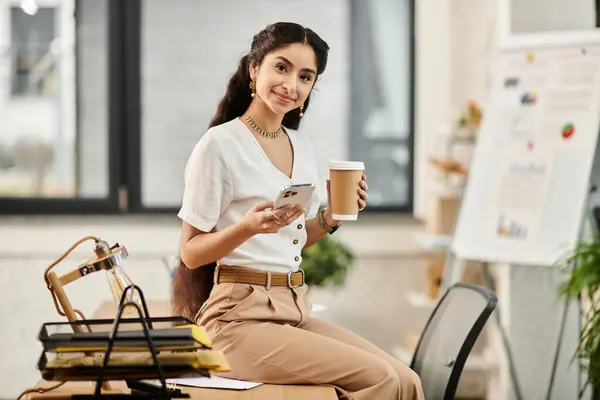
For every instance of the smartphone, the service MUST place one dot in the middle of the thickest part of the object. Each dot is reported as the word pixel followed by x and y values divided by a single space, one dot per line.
pixel 295 194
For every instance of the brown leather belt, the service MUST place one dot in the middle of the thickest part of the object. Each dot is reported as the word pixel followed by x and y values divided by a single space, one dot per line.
pixel 235 274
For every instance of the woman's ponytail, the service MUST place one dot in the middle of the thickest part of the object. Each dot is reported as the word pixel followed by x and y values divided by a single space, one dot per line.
pixel 237 97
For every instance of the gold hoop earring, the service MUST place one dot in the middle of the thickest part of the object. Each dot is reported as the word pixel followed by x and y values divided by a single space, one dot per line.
pixel 301 110
pixel 252 87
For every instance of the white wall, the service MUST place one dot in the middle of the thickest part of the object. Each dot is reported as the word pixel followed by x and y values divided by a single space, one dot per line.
pixel 454 40
pixel 432 87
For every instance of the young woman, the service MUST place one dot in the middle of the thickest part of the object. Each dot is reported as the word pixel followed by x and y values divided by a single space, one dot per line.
pixel 241 278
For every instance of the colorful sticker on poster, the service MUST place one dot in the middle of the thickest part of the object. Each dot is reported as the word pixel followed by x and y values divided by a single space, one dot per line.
pixel 529 98
pixel 568 130
pixel 530 146
pixel 511 82
pixel 529 57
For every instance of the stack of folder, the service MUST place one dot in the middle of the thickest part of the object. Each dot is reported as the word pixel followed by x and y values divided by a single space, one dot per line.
pixel 180 348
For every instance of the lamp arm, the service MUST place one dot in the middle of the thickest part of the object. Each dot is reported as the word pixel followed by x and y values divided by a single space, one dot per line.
pixel 55 286
pixel 58 260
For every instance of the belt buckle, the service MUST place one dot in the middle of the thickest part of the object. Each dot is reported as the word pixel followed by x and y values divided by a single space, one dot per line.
pixel 289 278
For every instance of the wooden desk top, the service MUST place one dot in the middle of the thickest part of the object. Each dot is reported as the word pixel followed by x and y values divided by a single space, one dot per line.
pixel 262 392
pixel 161 308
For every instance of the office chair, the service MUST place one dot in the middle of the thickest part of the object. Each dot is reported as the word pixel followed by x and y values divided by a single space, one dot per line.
pixel 449 336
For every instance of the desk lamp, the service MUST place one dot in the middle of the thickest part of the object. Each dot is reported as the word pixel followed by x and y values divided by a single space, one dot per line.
pixel 106 258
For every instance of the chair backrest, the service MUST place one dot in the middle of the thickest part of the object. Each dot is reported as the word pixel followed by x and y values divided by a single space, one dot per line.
pixel 449 336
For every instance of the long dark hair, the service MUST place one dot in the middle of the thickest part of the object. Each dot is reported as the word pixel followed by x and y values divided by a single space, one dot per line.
pixel 191 287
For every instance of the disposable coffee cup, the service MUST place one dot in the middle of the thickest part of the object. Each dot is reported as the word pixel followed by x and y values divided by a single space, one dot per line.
pixel 345 177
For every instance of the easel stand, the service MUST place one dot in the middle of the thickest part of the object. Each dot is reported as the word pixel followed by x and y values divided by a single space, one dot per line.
pixel 587 218
pixel 453 273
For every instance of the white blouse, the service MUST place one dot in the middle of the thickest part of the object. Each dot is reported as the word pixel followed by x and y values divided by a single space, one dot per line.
pixel 227 173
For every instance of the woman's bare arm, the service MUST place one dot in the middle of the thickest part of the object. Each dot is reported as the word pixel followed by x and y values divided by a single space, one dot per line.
pixel 201 248
pixel 314 232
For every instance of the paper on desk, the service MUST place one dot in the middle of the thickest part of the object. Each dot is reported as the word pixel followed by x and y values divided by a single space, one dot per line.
pixel 215 382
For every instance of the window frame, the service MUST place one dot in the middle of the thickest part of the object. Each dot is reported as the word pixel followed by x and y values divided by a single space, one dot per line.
pixel 112 203
pixel 357 141
pixel 125 136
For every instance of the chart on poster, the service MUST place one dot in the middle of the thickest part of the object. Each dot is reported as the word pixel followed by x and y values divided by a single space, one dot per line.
pixel 529 177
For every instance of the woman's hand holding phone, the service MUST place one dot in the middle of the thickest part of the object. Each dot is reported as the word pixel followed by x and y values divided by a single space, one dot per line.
pixel 261 218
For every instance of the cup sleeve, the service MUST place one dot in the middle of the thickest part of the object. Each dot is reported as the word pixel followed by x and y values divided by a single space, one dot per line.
pixel 208 185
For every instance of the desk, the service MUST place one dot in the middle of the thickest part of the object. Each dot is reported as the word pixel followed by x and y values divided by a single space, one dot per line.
pixel 161 308
pixel 262 392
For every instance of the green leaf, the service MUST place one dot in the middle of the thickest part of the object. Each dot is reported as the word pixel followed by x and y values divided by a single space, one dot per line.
pixel 326 262
pixel 582 270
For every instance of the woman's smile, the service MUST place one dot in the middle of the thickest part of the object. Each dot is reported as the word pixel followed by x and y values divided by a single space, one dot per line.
pixel 283 98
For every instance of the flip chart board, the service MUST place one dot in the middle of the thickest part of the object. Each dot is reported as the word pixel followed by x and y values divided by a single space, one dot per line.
pixel 529 179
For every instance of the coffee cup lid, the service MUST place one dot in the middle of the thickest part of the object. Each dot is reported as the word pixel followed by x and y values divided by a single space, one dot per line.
pixel 346 165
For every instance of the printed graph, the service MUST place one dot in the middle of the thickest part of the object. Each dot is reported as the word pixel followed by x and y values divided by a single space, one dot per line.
pixel 510 228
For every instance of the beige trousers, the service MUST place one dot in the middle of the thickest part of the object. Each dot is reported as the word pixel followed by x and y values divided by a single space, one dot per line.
pixel 268 335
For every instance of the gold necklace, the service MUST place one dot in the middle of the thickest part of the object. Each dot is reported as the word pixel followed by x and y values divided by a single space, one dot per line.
pixel 254 125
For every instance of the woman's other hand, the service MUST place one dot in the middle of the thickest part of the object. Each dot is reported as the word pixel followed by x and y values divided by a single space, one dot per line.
pixel 261 218
pixel 363 193
pixel 362 200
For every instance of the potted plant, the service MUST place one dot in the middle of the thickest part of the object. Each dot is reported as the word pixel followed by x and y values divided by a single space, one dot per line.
pixel 584 283
pixel 326 262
